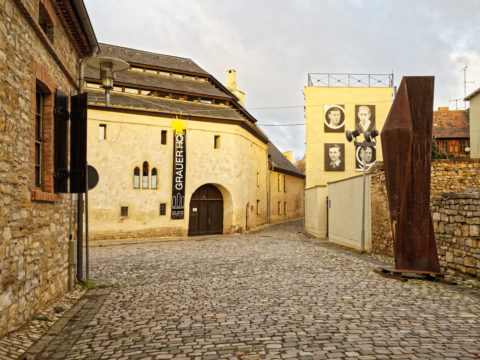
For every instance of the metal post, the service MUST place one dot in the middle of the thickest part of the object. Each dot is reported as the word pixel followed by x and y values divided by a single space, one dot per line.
pixel 80 237
pixel 87 274
pixel 362 243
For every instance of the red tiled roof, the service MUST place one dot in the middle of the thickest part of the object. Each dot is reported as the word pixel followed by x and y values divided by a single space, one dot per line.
pixel 448 124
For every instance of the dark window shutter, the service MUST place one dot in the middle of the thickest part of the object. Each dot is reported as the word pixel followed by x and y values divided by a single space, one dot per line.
pixel 60 174
pixel 78 143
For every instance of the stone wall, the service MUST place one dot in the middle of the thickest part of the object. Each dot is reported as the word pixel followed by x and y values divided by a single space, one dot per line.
pixel 34 222
pixel 448 176
pixel 456 222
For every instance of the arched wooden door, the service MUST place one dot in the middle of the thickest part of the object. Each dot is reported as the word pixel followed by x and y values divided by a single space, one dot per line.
pixel 206 211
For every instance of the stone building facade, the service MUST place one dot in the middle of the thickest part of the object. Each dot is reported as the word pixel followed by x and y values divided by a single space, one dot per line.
pixel 455 212
pixel 223 164
pixel 42 42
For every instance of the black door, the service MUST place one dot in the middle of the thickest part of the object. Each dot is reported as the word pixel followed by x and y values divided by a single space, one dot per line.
pixel 206 211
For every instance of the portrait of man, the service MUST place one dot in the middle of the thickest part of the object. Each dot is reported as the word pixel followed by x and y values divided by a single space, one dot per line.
pixel 334 118
pixel 364 118
pixel 334 157
pixel 367 156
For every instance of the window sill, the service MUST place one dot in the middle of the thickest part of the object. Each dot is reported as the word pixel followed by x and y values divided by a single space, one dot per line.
pixel 38 195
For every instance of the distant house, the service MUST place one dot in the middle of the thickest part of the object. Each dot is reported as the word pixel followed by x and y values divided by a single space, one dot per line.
pixel 451 132
pixel 474 99
pixel 286 187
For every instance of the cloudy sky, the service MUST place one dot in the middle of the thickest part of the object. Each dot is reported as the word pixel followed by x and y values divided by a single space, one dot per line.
pixel 274 44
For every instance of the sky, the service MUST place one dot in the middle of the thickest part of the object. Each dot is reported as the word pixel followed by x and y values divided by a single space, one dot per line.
pixel 274 44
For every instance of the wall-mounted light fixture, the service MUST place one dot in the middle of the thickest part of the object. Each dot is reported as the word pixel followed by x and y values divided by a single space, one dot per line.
pixel 107 66
pixel 368 142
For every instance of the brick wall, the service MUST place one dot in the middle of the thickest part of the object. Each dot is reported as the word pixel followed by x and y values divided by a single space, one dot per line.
pixel 34 223
pixel 448 176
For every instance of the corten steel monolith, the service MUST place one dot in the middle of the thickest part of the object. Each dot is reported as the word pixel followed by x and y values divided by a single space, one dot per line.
pixel 406 146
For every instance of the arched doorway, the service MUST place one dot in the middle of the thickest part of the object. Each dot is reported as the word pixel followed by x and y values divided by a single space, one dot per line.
pixel 206 211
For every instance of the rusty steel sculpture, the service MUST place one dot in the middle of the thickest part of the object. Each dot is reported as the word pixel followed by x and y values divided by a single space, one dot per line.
pixel 406 146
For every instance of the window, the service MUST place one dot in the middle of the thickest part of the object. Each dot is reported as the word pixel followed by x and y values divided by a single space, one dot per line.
pixel 285 208
pixel 164 137
pixel 124 211
pixel 136 178
pixel 45 22
pixel 145 175
pixel 216 142
pixel 258 179
pixel 40 99
pixel 284 183
pixel 258 207
pixel 102 131
pixel 463 145
pixel 279 208
pixel 154 178
pixel 278 182
pixel 163 209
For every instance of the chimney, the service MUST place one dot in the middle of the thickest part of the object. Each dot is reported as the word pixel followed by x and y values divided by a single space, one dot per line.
pixel 288 155
pixel 232 86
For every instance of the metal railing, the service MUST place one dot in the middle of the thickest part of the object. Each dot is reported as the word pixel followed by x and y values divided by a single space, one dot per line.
pixel 350 80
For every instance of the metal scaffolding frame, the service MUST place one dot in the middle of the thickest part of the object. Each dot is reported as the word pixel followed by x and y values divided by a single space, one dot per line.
pixel 350 80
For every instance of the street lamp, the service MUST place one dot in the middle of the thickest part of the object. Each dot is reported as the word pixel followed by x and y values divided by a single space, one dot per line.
pixel 368 142
pixel 108 66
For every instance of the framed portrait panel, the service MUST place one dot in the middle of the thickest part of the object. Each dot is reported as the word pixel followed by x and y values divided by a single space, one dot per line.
pixel 365 118
pixel 370 156
pixel 334 118
pixel 334 159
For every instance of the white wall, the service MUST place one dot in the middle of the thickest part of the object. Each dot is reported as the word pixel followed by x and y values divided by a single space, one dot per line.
pixel 345 212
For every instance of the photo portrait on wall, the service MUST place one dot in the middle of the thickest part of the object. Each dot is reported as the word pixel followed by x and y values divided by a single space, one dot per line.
pixel 364 118
pixel 334 157
pixel 334 118
pixel 369 155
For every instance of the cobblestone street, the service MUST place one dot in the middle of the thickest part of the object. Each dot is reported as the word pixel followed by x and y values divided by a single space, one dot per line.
pixel 273 294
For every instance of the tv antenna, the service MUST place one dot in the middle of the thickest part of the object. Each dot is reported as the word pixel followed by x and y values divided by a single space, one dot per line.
pixel 456 102
pixel 465 82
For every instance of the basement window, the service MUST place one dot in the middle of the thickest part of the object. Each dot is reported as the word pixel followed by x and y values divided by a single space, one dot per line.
pixel 163 209
pixel 124 211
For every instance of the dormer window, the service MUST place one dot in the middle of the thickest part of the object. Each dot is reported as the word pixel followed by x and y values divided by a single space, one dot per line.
pixel 45 22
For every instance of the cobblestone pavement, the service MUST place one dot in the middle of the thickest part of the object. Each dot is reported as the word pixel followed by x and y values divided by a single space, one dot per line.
pixel 273 294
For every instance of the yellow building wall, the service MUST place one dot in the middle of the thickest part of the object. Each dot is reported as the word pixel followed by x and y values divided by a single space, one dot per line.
pixel 288 191
pixel 475 127
pixel 132 139
pixel 315 100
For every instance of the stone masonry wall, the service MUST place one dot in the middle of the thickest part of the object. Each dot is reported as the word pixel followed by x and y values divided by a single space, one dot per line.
pixel 448 176
pixel 456 222
pixel 34 223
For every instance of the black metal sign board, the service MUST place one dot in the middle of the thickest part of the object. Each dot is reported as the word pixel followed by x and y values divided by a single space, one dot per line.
pixel 179 168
